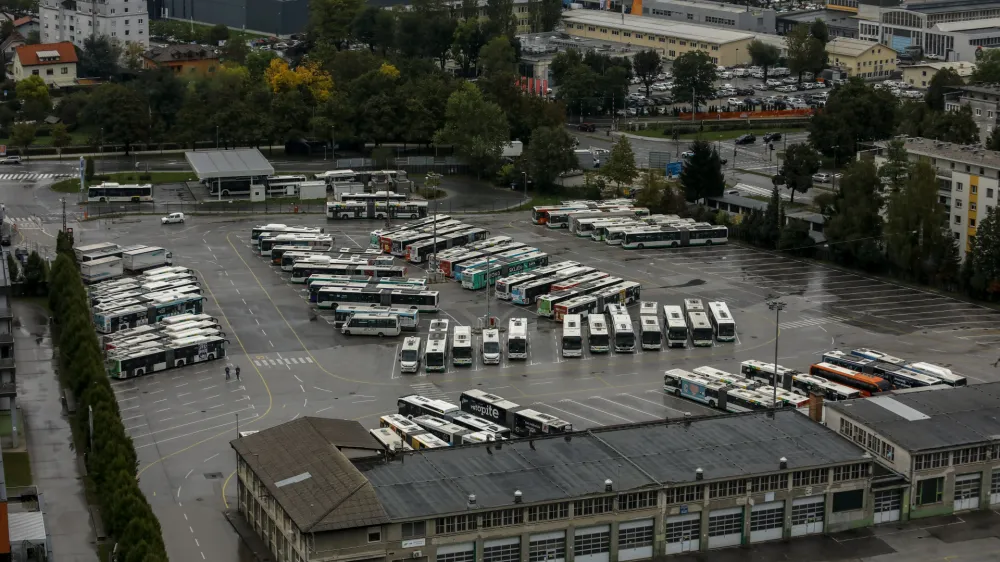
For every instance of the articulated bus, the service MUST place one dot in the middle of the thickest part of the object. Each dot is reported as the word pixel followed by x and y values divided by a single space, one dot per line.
pixel 401 241
pixel 786 398
pixel 364 280
pixel 562 219
pixel 867 384
pixel 478 424
pixel 571 282
pixel 572 336
pixel 801 382
pixel 578 221
pixel 722 321
pixel 375 209
pixel 477 278
pixel 613 235
pixel 379 284
pixel 422 250
pixel 413 405
pixel 278 251
pixel 374 257
pixel 526 293
pixel 490 246
pixel 899 377
pixel 701 329
pixel 540 215
pixel 424 301
pixel 276 229
pixel 507 254
pixel 447 431
pixel 945 374
pixel 585 226
pixel 548 302
pixel 389 440
pixel 266 243
pixel 733 380
pixel 302 271
pixel 504 285
pixel 490 407
pixel 409 317
pixel 675 236
pixel 877 356
pixel 375 237
pixel 598 340
pixel 600 227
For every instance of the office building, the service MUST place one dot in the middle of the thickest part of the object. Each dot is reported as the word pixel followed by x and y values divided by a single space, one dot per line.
pixel 612 493
pixel 968 181
pixel 122 20
pixel 983 100
pixel 944 442
pixel 8 378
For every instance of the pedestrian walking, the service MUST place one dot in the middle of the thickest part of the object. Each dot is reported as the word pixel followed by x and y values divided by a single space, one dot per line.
pixel 237 372
pixel 227 372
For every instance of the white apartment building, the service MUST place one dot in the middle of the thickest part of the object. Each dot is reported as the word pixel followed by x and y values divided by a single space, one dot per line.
pixel 123 20
pixel 968 181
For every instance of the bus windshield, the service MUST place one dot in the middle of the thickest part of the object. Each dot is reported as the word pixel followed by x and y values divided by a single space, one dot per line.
pixel 409 355
pixel 677 333
pixel 649 336
pixel 462 352
pixel 517 345
pixel 435 359
pixel 572 342
pixel 727 329
pixel 701 333
pixel 491 347
pixel 598 339
pixel 625 339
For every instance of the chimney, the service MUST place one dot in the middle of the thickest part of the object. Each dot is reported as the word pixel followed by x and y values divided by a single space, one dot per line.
pixel 783 463
pixel 608 485
pixel 517 496
pixel 472 500
pixel 699 474
pixel 816 407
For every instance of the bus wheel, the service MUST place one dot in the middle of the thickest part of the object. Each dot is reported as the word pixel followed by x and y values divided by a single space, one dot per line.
pixel 103 199
pixel 140 372
pixel 677 392
pixel 711 403
pixel 225 193
pixel 347 332
pixel 673 244
pixel 708 242
pixel 211 356
pixel 381 335
pixel 180 363
pixel 641 246
pixel 135 199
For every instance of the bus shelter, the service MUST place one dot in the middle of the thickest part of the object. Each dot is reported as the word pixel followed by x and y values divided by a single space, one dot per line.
pixel 239 167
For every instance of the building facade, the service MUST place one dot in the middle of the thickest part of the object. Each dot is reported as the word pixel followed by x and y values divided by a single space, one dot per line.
pixel 950 30
pixel 125 21
pixel 968 182
pixel 861 58
pixel 55 63
pixel 8 375
pixel 984 101
pixel 838 22
pixel 182 59
pixel 669 38
pixel 920 75
pixel 714 14
pixel 622 493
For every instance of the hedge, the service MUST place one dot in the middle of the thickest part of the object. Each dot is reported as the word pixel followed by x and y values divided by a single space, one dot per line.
pixel 112 461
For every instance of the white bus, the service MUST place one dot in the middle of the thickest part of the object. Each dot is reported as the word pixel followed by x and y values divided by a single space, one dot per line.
pixel 722 321
pixel 651 336
pixel 572 339
pixel 649 308
pixel 693 387
pixel 479 424
pixel 427 440
pixel 491 349
pixel 801 382
pixel 877 356
pixel 492 407
pixel 701 329
pixel 409 356
pixel 517 338
pixel 413 405
pixel 372 324
pixel 444 430
pixel 276 229
pixel 278 186
pixel 461 346
pixel 532 422
pixel 436 353
pixel 675 236
pixel 400 425
pixel 693 305
pixel 737 381
pixel 389 440
pixel 675 326
pixel 622 332
pixel 598 340
pixel 945 374
pixel 110 191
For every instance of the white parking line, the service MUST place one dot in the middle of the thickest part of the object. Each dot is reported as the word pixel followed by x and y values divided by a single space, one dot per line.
pixel 159 441
pixel 596 409
pixel 569 413
pixel 939 316
pixel 956 324
pixel 657 403
pixel 626 406
pixel 192 422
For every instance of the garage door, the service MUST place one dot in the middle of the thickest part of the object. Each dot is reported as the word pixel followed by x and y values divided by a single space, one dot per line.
pixel 888 504
pixel 807 515
pixel 635 540
pixel 462 552
pixel 967 489
pixel 502 550
pixel 725 527
pixel 767 521
pixel 592 544
pixel 546 547
pixel 684 533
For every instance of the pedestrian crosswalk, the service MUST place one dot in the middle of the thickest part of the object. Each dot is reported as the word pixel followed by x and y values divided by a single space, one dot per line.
pixel 282 361
pixel 31 177
pixel 22 223
pixel 747 189
pixel 806 322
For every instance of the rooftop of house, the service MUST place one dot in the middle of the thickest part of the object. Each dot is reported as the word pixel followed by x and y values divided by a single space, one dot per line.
pixel 181 53
pixel 46 53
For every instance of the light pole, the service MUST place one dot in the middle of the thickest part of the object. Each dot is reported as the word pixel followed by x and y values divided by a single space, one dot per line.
pixel 524 175
pixel 216 137
pixel 777 306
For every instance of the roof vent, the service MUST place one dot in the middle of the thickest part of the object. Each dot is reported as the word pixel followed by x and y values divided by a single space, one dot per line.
pixel 608 485
pixel 783 463
pixel 517 496
pixel 472 500
pixel 699 474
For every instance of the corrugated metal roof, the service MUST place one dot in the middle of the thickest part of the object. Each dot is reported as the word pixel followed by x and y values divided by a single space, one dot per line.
pixel 229 163
pixel 26 526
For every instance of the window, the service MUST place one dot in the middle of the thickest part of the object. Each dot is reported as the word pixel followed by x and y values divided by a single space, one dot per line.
pixel 635 537
pixel 690 16
pixel 958 219
pixel 593 506
pixel 715 47
pixel 682 43
pixel 769 483
pixel 636 500
pixel 809 477
pixel 958 185
pixel 684 494
pixel 979 112
pixel 989 192
pixel 64 70
pixel 971 454
pixel 548 512
pixel 972 206
pixel 850 472
pixel 507 552
pixel 958 203
pixel 547 549
pixel 932 460
pixel 673 53
pixel 49 72
pixel 456 524
pixel 414 529
pixel 930 491
pixel 592 543
pixel 726 489
pixel 848 501
pixel 374 534
pixel 503 518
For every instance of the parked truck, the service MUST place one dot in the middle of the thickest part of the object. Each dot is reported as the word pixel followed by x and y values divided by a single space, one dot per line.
pixel 146 257
pixel 101 269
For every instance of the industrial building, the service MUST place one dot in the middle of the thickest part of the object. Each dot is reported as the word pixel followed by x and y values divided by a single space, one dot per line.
pixel 670 39
pixel 311 490
pixel 277 17
pixel 968 182
pixel 76 21
pixel 944 442
pixel 949 29
pixel 840 23
pixel 920 75
pixel 715 14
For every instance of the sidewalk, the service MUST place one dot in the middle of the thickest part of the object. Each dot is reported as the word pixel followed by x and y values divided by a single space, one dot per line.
pixel 50 442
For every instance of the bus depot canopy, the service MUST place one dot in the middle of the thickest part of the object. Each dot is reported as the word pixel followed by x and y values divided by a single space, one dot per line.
pixel 215 164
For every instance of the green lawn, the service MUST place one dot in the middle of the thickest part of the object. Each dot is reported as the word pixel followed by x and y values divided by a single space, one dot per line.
pixel 716 135
pixel 17 469
pixel 78 138
pixel 72 185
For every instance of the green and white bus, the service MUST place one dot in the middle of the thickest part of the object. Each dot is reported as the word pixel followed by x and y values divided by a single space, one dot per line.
pixel 547 303
pixel 477 278
pixel 675 236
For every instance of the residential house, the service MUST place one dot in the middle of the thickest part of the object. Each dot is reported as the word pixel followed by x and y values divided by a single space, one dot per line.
pixel 183 59
pixel 55 63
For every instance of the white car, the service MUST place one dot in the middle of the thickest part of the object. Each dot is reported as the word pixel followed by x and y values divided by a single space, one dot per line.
pixel 660 87
pixel 173 218
pixel 726 75
pixel 734 101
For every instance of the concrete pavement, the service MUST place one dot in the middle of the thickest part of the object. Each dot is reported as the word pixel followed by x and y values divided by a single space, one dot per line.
pixel 50 441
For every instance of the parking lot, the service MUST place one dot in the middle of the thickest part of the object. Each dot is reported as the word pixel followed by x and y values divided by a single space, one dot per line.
pixel 294 363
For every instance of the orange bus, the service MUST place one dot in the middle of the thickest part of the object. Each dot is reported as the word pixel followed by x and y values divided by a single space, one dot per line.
pixel 540 215
pixel 866 384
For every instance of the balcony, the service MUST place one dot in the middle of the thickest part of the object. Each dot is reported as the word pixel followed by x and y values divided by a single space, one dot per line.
pixel 8 389
pixel 6 363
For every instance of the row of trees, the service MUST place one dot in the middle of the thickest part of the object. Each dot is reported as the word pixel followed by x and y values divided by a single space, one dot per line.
pixel 111 461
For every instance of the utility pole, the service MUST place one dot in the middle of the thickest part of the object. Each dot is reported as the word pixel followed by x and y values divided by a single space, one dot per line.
pixel 63 200
pixel 777 306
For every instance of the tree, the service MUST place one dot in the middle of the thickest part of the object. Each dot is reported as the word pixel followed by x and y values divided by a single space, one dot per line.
pixel 477 129
pixel 763 55
pixel 800 163
pixel 550 14
pixel 913 226
pixel 88 170
pixel 819 31
pixel 694 72
pixel 34 274
pixel 549 154
pixel 647 65
pixel 467 42
pixel 853 217
pixel 6 28
pixel 217 34
pixel 620 167
pixel 132 55
pixel 22 135
pixel 896 167
pixel 33 90
pixel 806 52
pixel 330 21
pixel 939 84
pixel 60 137
pixel 854 113
pixel 235 51
pixel 702 175
pixel 121 112
pixel 500 18
pixel 983 258
pixel 771 226
pixel 987 68
pixel 13 271
pixel 34 37
pixel 100 58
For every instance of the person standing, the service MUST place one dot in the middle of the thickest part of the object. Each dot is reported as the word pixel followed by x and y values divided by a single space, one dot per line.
pixel 237 372
pixel 227 372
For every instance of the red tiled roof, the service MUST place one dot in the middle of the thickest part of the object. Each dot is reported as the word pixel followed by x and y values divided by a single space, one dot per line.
pixel 21 21
pixel 28 54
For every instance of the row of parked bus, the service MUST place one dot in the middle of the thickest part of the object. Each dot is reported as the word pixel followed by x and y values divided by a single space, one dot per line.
pixel 147 298
pixel 173 342
pixel 446 344
pixel 630 228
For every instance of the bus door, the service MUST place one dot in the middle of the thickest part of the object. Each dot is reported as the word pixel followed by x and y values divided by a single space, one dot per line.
pixel 370 208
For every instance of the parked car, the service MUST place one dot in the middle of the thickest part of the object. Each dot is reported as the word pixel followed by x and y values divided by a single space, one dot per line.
pixel 748 138
pixel 822 177
pixel 744 91
pixel 768 137
pixel 173 218
pixel 588 127
pixel 11 160
pixel 734 101
pixel 5 240
pixel 760 86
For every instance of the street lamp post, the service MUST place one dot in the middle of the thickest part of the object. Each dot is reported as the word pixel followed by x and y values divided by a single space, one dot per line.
pixel 524 176
pixel 777 306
